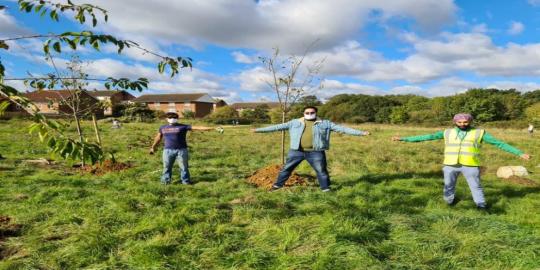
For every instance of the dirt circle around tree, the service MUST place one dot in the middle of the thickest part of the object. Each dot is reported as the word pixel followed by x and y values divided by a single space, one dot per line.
pixel 266 176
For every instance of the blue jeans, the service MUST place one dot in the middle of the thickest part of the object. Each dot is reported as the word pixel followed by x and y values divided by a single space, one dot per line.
pixel 169 157
pixel 472 175
pixel 317 160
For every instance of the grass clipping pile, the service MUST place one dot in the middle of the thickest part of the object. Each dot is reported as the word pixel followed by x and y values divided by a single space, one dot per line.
pixel 265 177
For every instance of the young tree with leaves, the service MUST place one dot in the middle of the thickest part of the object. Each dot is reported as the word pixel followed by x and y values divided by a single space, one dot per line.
pixel 50 131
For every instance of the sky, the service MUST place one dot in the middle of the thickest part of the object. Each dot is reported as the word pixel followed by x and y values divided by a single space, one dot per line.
pixel 377 47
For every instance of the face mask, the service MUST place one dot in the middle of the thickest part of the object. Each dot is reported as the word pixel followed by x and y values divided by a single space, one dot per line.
pixel 172 120
pixel 310 116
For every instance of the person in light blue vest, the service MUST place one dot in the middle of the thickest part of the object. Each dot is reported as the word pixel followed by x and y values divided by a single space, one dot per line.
pixel 310 138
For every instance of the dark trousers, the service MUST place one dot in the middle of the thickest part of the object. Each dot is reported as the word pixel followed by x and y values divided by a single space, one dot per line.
pixel 317 160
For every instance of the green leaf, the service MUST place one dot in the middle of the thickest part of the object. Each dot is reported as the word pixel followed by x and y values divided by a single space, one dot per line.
pixel 53 15
pixel 56 47
pixel 3 45
pixel 72 44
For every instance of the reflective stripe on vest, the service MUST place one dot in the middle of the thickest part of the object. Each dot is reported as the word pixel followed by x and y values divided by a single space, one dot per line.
pixel 465 152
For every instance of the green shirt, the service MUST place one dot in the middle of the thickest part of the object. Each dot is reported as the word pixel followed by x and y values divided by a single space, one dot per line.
pixel 439 135
pixel 306 142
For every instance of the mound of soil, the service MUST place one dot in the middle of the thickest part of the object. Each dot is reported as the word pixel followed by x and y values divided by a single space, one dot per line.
pixel 521 181
pixel 266 176
pixel 7 229
pixel 105 167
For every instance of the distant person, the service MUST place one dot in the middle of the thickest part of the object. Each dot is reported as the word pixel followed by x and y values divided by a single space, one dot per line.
pixel 531 129
pixel 175 149
pixel 116 124
pixel 461 155
pixel 310 137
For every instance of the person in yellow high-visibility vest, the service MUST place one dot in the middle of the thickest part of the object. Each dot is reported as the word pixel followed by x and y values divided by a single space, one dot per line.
pixel 461 155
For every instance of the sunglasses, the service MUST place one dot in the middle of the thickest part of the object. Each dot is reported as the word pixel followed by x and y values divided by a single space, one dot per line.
pixel 308 113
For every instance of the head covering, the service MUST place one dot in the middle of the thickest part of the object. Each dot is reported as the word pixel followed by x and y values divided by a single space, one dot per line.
pixel 463 116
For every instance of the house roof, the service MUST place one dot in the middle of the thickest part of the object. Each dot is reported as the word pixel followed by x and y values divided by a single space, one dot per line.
pixel 253 105
pixel 199 97
pixel 105 93
pixel 46 95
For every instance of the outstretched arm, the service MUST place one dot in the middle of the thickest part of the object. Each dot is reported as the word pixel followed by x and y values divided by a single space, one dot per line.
pixel 201 128
pixel 439 135
pixel 157 139
pixel 488 138
pixel 273 128
pixel 346 130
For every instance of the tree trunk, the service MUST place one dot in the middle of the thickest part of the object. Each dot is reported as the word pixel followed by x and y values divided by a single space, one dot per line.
pixel 94 121
pixel 81 139
pixel 283 140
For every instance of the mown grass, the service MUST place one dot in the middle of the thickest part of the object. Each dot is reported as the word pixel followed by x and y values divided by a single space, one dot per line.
pixel 386 210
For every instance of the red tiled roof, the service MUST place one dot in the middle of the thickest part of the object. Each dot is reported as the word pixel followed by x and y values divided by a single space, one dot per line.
pixel 46 95
pixel 170 97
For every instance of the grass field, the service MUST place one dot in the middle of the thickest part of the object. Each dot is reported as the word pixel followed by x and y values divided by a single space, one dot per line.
pixel 386 210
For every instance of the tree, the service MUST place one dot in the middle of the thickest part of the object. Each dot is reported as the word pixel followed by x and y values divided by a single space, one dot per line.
pixel 223 115
pixel 50 131
pixel 399 115
pixel 533 113
pixel 257 115
pixel 289 82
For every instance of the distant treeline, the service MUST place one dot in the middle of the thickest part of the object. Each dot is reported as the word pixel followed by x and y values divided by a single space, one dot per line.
pixel 486 105
pixel 504 108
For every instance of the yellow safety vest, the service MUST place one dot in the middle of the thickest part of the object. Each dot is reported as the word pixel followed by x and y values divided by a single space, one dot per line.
pixel 465 152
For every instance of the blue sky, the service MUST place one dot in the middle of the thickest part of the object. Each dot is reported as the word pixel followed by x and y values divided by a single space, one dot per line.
pixel 425 47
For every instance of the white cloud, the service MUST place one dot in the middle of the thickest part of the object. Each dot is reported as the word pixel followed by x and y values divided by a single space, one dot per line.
pixel 254 80
pixel 240 57
pixel 9 26
pixel 290 24
pixel 480 28
pixel 535 3
pixel 516 28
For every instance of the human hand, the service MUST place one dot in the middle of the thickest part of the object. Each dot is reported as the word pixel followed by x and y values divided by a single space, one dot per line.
pixel 525 156
pixel 396 138
pixel 152 150
pixel 366 133
pixel 253 130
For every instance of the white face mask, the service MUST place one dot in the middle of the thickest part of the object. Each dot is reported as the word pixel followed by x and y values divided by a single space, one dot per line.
pixel 310 116
pixel 172 120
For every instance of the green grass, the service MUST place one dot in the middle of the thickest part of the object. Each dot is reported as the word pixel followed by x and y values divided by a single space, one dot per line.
pixel 386 211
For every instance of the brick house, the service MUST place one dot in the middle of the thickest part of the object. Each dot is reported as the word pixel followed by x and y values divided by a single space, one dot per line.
pixel 50 102
pixel 201 104
pixel 240 106
pixel 111 98
pixel 12 109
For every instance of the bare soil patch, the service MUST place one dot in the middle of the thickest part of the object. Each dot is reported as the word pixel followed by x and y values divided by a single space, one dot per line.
pixel 7 229
pixel 265 177
pixel 105 167
pixel 521 181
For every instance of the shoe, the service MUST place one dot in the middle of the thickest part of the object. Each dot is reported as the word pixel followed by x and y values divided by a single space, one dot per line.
pixel 274 188
pixel 453 203
pixel 326 190
pixel 481 207
pixel 165 182
pixel 187 183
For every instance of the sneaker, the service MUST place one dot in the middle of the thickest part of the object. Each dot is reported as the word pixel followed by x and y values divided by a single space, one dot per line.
pixel 187 183
pixel 165 182
pixel 274 188
pixel 326 190
pixel 482 207
pixel 453 203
